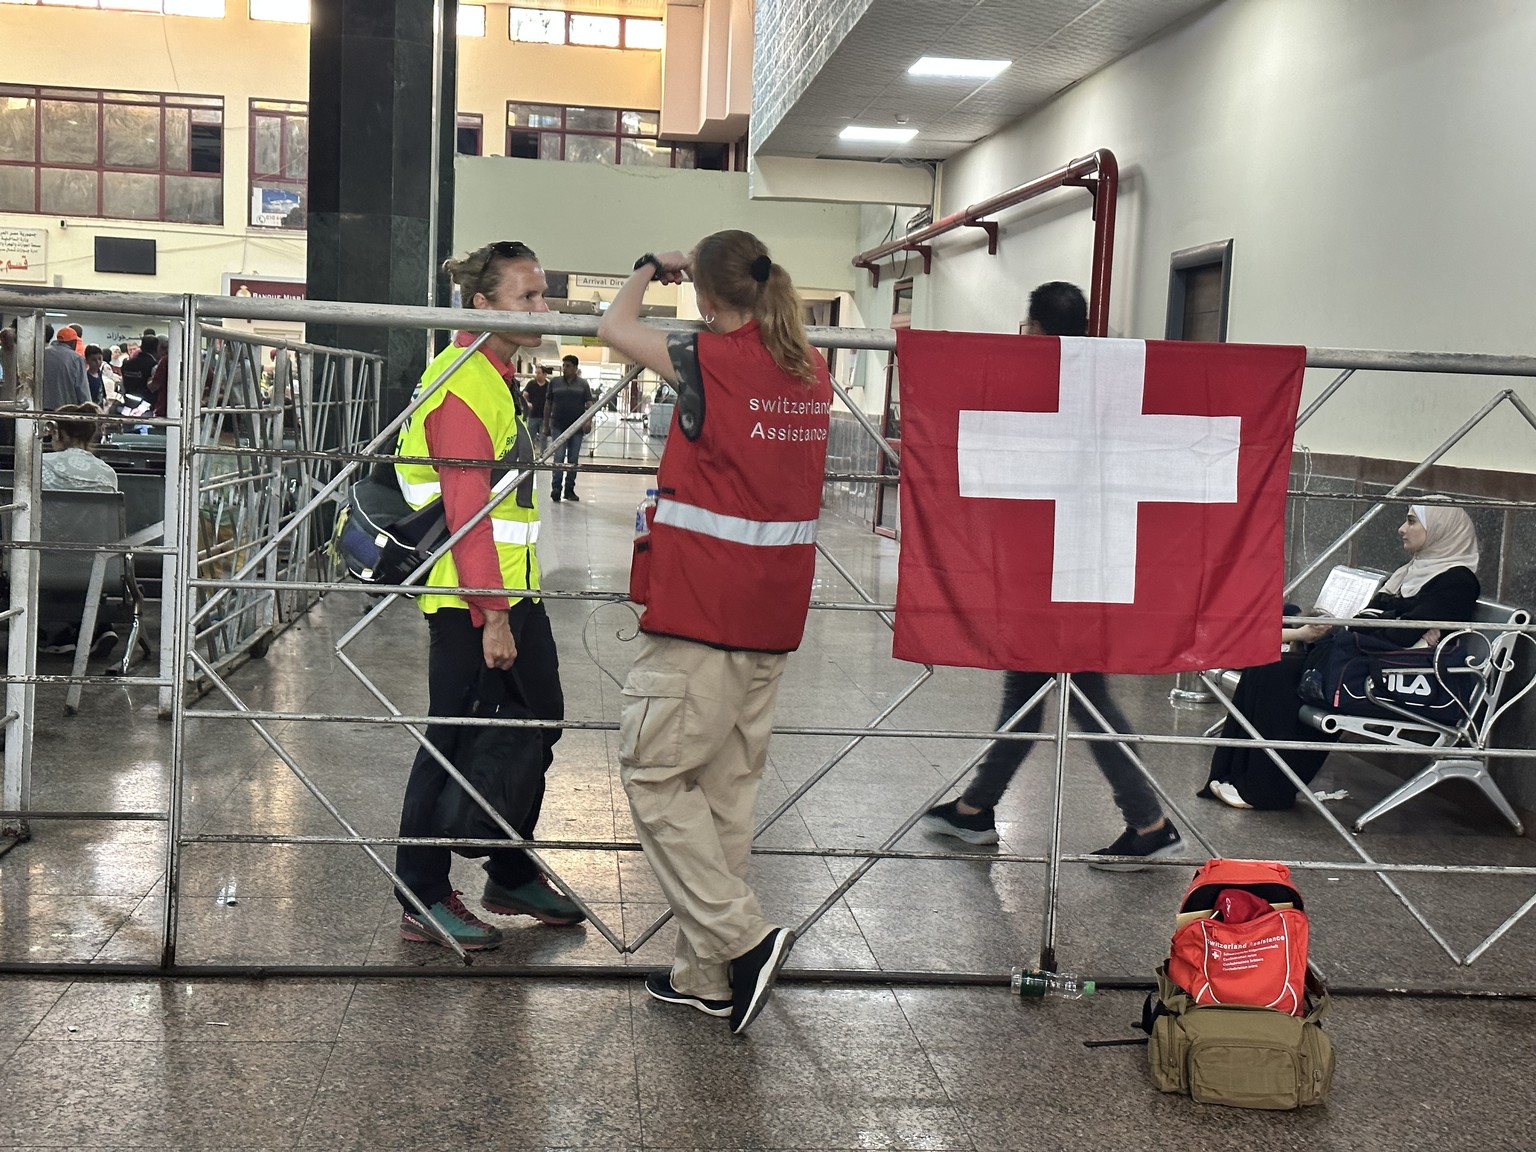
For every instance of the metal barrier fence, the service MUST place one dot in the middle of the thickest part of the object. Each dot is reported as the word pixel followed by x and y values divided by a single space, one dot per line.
pixel 209 581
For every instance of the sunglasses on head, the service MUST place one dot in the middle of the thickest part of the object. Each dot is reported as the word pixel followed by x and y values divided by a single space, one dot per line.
pixel 512 249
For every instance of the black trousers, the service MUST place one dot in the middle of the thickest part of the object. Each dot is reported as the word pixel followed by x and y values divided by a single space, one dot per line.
pixel 1133 795
pixel 454 665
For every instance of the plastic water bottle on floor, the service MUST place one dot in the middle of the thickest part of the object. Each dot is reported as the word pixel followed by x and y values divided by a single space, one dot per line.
pixel 1033 984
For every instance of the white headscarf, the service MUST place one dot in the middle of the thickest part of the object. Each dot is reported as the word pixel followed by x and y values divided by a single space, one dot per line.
pixel 1450 541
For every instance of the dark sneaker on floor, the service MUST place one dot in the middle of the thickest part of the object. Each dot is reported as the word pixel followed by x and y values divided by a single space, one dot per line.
pixel 537 898
pixel 555 496
pixel 658 985
pixel 573 496
pixel 105 641
pixel 948 820
pixel 1164 841
pixel 472 933
pixel 58 648
pixel 753 974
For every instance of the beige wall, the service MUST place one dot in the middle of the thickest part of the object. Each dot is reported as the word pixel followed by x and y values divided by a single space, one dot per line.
pixel 592 218
pixel 493 70
pixel 243 59
pixel 237 58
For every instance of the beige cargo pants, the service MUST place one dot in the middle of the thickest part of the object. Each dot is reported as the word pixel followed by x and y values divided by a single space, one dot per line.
pixel 693 741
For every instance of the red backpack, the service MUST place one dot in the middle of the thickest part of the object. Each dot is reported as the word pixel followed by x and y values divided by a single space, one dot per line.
pixel 1230 948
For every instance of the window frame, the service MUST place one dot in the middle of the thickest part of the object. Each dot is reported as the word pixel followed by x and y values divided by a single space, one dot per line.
pixel 465 121
pixel 566 42
pixel 282 111
pixel 100 99
pixel 617 136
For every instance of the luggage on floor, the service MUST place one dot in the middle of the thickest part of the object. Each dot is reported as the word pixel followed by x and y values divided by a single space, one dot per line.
pixel 1235 1020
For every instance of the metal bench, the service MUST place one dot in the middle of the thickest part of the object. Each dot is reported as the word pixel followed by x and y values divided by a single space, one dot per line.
pixel 1453 748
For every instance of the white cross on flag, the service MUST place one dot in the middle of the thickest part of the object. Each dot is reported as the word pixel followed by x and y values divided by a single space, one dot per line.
pixel 1074 505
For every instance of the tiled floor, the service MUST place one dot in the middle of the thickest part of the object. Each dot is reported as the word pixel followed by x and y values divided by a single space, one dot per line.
pixel 582 1060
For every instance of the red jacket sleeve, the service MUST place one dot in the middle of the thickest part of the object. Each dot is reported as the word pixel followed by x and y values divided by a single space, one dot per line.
pixel 454 430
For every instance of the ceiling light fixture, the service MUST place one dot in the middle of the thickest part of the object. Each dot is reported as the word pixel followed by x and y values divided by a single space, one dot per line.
pixel 877 135
pixel 954 68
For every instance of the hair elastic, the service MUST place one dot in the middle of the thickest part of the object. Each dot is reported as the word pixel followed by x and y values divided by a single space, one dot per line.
pixel 761 267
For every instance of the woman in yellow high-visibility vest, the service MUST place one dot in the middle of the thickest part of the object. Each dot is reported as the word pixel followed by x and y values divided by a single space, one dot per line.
pixel 477 414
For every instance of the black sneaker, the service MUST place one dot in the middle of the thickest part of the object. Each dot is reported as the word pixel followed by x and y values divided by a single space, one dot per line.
pixel 753 974
pixel 1162 841
pixel 658 986
pixel 555 496
pixel 573 496
pixel 105 641
pixel 948 820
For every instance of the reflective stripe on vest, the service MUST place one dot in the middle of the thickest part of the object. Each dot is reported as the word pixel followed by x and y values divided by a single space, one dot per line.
pixel 419 495
pixel 758 533
pixel 515 531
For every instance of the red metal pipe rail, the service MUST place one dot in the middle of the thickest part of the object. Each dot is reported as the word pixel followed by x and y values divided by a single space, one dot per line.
pixel 1098 172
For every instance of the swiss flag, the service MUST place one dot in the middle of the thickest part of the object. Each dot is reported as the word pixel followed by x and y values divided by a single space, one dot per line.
pixel 1092 505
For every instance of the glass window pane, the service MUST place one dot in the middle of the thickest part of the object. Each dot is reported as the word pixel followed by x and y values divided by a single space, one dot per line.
pixel 296 148
pixel 602 31
pixel 267 145
pixel 291 11
pixel 640 123
pixel 18 128
pixel 69 132
pixel 647 153
pixel 471 19
pixel 590 119
pixel 17 192
pixel 131 135
pixel 533 26
pixel 525 145
pixel 533 116
pixel 684 156
pixel 68 192
pixel 590 149
pixel 133 195
pixel 176 122
pixel 206 146
pixel 194 200
pixel 644 34
pixel 549 146
pixel 277 206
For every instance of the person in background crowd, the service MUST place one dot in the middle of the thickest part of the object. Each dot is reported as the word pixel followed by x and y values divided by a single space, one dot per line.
pixel 64 380
pixel 569 398
pixel 476 415
pixel 73 467
pixel 1059 309
pixel 94 375
pixel 139 368
pixel 535 393
pixel 732 554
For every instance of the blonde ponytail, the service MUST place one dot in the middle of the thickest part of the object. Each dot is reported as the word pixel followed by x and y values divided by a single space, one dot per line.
pixel 724 264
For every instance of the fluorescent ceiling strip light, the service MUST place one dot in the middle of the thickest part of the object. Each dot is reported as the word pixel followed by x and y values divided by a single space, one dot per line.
pixel 952 67
pixel 877 135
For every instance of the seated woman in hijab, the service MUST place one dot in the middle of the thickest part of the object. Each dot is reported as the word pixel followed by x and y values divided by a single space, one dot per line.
pixel 1439 582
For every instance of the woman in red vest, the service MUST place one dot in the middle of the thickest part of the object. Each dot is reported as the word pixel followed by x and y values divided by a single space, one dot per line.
pixel 725 576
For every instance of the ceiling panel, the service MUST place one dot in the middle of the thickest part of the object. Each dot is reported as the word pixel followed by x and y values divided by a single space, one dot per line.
pixel 1052 43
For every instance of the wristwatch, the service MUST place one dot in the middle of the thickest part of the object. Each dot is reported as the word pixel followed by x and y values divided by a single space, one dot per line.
pixel 650 258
